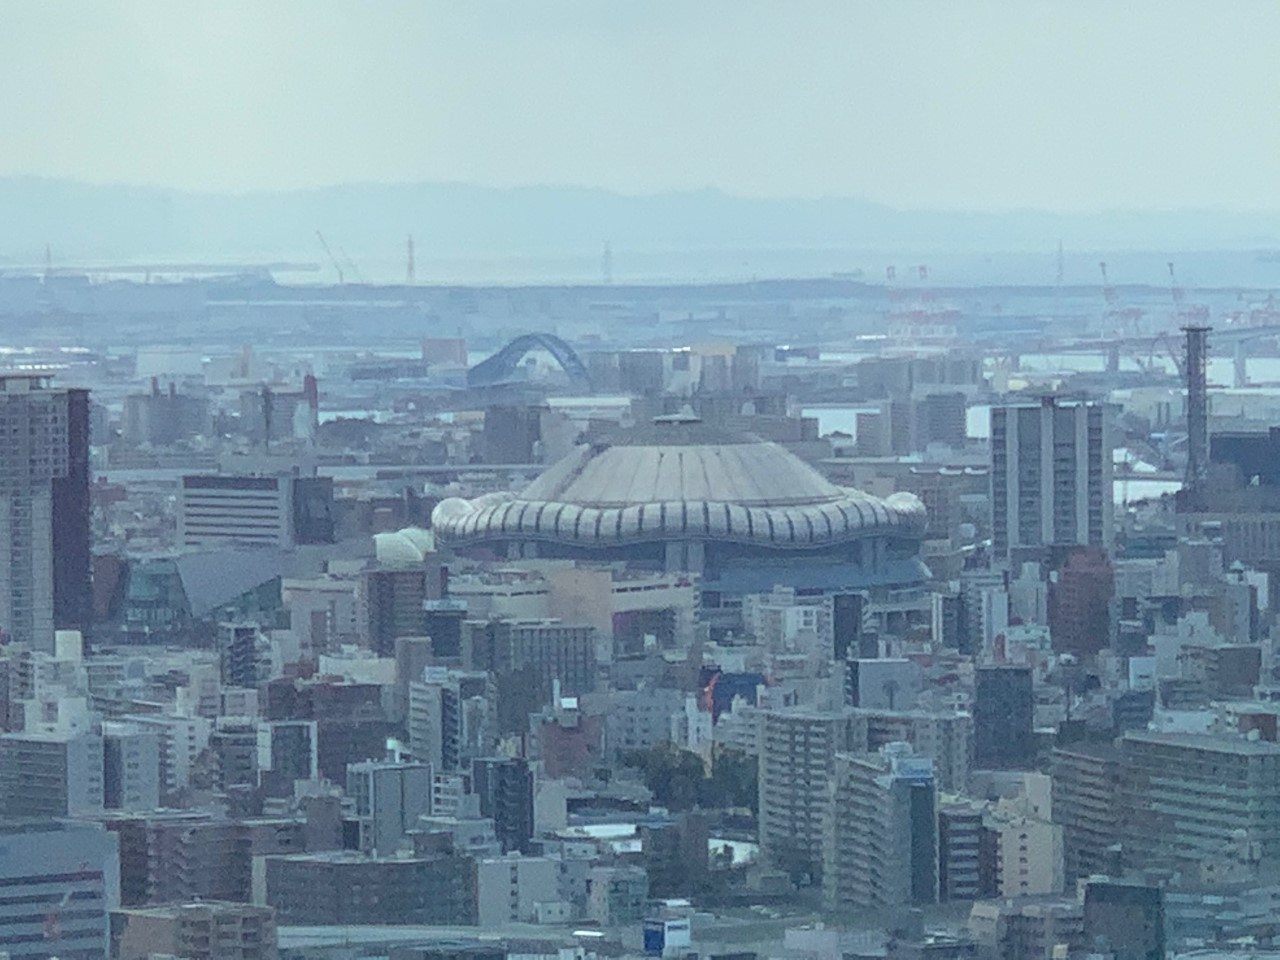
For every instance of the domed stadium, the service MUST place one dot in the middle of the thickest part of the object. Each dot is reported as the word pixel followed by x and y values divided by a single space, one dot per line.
pixel 743 513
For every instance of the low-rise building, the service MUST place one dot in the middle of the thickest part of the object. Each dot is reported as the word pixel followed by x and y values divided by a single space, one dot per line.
pixel 347 888
pixel 208 930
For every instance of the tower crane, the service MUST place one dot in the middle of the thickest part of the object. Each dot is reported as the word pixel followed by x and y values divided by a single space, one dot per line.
pixel 332 259
pixel 351 266
pixel 1123 321
pixel 1108 291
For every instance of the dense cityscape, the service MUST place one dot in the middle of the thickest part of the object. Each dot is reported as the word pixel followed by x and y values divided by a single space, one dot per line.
pixel 578 480
pixel 417 621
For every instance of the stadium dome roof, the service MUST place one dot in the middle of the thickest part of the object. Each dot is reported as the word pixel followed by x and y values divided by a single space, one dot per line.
pixel 403 548
pixel 680 480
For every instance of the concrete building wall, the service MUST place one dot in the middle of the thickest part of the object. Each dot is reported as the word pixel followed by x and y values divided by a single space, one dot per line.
pixel 180 740
pixel 1030 856
pixel 60 882
pixel 131 777
pixel 219 511
pixel 509 889
pixel 389 798
pixel 50 776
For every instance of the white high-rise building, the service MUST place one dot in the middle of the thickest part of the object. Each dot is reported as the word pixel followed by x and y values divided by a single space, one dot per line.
pixel 51 775
pixel 181 740
pixel 33 453
pixel 131 767
pixel 1051 475
pixel 223 510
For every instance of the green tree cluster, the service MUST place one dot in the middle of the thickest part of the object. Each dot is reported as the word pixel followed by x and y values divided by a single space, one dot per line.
pixel 679 781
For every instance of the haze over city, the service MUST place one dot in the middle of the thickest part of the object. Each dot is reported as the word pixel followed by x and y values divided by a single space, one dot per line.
pixel 1082 107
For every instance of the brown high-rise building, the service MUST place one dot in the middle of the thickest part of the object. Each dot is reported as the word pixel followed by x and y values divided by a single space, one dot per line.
pixel 1080 602
pixel 393 599
pixel 43 506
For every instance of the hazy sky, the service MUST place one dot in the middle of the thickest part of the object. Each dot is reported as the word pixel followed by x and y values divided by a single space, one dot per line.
pixel 1065 106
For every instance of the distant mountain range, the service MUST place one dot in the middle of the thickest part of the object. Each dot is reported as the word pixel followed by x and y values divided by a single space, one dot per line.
pixel 126 223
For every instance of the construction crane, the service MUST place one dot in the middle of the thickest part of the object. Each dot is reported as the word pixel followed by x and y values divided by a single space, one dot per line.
pixel 1121 321
pixel 1174 289
pixel 342 279
pixel 351 266
pixel 1108 291
pixel 1188 315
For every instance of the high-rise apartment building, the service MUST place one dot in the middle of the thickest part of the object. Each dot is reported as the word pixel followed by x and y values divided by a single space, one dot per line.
pixel 1086 778
pixel 529 659
pixel 1208 805
pixel 881 846
pixel 181 740
pixel 1051 475
pixel 946 738
pixel 797 761
pixel 34 453
pixel 234 746
pixel 172 856
pixel 505 788
pixel 347 888
pixel 963 873
pixel 50 775
pixel 392 605
pixel 451 718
